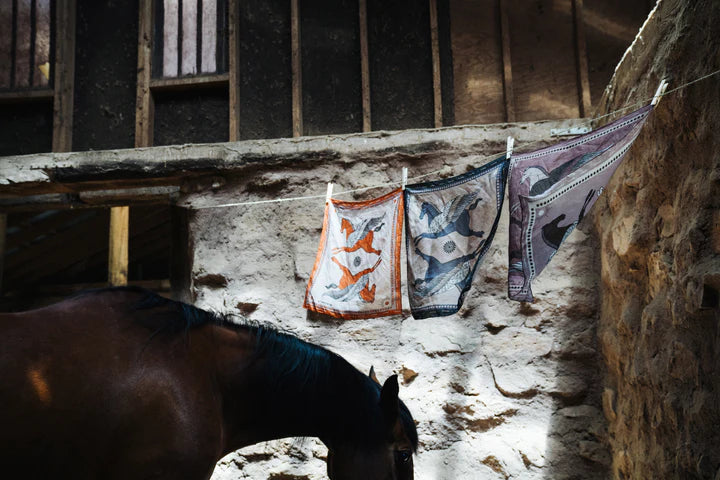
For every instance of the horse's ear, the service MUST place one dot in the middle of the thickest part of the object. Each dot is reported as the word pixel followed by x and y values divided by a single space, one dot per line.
pixel 372 375
pixel 389 401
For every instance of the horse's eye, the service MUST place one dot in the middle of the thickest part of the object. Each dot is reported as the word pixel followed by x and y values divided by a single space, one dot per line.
pixel 403 456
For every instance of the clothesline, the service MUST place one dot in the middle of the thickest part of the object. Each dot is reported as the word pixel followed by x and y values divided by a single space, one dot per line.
pixel 435 172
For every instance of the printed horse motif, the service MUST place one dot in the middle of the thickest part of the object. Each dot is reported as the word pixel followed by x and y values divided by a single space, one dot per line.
pixel 123 384
pixel 442 276
pixel 360 235
pixel 455 217
pixel 353 285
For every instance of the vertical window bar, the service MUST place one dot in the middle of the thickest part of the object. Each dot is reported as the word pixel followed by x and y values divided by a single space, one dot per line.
pixel 189 37
pixel 22 43
pixel 179 36
pixel 158 41
pixel 170 38
pixel 42 41
pixel 13 43
pixel 198 30
pixel 221 36
pixel 51 42
pixel 31 55
pixel 6 48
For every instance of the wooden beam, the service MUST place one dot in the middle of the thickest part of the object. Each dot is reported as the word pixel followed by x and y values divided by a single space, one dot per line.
pixel 507 63
pixel 3 230
pixel 297 114
pixel 118 251
pixel 584 100
pixel 26 95
pixel 186 83
pixel 76 172
pixel 64 76
pixel 233 72
pixel 144 103
pixel 365 66
pixel 435 43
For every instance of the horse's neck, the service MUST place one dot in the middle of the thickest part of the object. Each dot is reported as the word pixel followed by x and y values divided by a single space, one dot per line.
pixel 264 403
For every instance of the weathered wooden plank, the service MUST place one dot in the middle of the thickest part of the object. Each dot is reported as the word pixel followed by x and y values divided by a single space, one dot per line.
pixel 264 69
pixel 401 76
pixel 508 88
pixel 23 39
pixel 182 83
pixel 42 42
pixel 365 66
pixel 169 165
pixel 233 78
pixel 25 95
pixel 6 32
pixel 543 61
pixel 209 36
pixel 330 51
pixel 170 38
pixel 118 251
pixel 297 113
pixel 581 58
pixel 435 46
pixel 610 26
pixel 144 102
pixel 64 76
pixel 189 37
pixel 477 60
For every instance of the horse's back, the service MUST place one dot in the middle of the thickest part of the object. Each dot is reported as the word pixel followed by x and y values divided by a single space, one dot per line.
pixel 83 379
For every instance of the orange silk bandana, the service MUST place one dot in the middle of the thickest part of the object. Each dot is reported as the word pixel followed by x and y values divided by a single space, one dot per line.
pixel 357 268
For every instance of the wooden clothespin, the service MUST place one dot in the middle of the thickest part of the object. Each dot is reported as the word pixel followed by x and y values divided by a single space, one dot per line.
pixel 404 177
pixel 510 145
pixel 329 193
pixel 660 92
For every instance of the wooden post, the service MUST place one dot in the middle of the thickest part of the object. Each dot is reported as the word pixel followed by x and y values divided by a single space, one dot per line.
pixel 118 251
pixel 297 120
pixel 365 66
pixel 144 104
pixel 64 76
pixel 144 116
pixel 435 42
pixel 3 229
pixel 233 87
pixel 584 99
pixel 507 63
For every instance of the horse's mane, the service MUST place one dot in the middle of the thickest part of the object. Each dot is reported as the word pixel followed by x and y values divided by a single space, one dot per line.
pixel 295 360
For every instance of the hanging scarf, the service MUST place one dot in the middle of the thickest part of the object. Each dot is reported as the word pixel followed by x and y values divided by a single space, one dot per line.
pixel 552 189
pixel 357 268
pixel 450 226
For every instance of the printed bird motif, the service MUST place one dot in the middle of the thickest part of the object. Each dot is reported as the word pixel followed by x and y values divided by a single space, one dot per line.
pixel 541 181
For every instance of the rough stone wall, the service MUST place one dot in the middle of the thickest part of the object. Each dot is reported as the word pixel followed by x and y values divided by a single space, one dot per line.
pixel 659 234
pixel 501 390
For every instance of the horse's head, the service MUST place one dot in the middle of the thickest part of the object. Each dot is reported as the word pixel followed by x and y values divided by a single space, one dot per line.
pixel 388 453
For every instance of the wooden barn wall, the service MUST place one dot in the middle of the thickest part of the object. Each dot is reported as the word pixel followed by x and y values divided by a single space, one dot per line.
pixel 543 47
pixel 330 49
pixel 264 72
pixel 198 115
pixel 610 26
pixel 105 75
pixel 401 82
pixel 26 127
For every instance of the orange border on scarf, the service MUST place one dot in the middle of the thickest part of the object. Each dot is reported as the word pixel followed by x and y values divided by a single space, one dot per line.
pixel 396 309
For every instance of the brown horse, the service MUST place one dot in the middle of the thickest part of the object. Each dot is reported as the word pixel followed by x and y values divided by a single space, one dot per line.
pixel 120 383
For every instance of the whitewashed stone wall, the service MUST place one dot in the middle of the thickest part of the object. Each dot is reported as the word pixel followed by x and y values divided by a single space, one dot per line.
pixel 501 390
